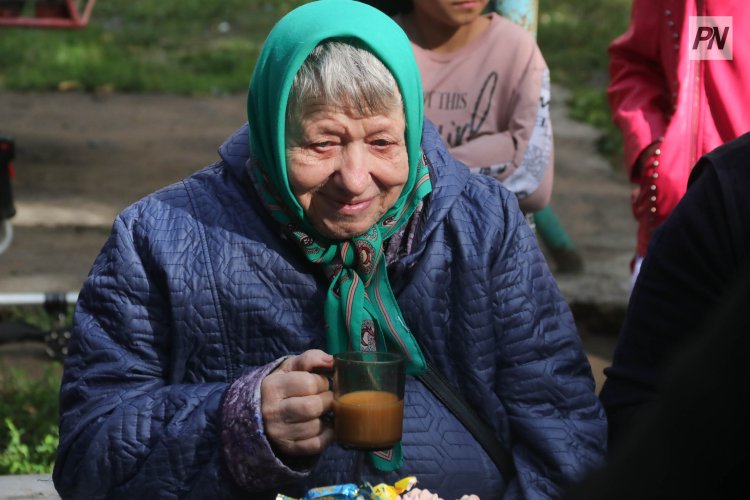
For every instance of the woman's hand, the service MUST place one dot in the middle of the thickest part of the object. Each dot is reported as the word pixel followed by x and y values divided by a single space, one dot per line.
pixel 294 401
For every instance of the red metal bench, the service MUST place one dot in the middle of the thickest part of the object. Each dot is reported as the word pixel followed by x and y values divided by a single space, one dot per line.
pixel 46 13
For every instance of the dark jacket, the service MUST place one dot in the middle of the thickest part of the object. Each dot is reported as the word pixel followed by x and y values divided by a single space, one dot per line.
pixel 692 263
pixel 682 361
pixel 195 290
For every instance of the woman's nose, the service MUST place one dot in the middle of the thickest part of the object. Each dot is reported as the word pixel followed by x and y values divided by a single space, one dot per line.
pixel 353 172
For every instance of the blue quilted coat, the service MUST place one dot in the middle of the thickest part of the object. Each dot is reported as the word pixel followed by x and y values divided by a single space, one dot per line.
pixel 196 289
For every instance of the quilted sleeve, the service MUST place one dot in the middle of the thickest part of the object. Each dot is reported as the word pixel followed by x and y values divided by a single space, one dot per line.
pixel 250 456
pixel 126 431
pixel 557 425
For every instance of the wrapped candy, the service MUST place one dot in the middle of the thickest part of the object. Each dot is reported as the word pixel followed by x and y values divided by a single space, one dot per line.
pixel 336 492
pixel 351 491
pixel 384 491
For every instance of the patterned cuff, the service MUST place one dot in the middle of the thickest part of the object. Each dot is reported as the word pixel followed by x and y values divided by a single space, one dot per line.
pixel 247 451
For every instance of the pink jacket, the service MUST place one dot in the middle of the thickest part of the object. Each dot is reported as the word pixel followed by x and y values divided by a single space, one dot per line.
pixel 658 94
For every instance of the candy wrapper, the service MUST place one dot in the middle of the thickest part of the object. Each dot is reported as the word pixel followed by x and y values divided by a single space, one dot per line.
pixel 335 492
pixel 384 491
pixel 351 491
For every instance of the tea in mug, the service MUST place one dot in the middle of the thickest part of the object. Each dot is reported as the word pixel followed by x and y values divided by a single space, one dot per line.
pixel 368 419
pixel 368 399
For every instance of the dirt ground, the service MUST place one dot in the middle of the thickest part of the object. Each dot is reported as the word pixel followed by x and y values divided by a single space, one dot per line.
pixel 81 158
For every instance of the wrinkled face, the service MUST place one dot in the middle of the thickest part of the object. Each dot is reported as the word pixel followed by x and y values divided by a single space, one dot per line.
pixel 452 13
pixel 346 170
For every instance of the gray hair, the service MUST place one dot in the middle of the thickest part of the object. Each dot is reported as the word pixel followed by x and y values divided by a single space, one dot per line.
pixel 343 75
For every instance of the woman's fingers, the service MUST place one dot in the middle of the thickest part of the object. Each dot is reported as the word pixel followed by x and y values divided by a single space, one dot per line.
pixel 294 400
pixel 282 385
pixel 304 408
pixel 294 431
pixel 300 431
pixel 312 446
pixel 308 361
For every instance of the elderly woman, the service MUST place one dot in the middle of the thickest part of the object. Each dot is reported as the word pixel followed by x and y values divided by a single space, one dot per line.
pixel 341 224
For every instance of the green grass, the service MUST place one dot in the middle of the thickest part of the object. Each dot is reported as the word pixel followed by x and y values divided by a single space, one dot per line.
pixel 188 47
pixel 28 421
pixel 195 47
pixel 573 36
pixel 29 402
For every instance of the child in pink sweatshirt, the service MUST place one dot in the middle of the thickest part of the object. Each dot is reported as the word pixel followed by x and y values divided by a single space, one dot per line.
pixel 487 89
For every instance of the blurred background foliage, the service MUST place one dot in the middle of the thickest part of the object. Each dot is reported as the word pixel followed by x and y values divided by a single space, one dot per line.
pixel 194 47
pixel 28 420
pixel 190 47
pixel 573 36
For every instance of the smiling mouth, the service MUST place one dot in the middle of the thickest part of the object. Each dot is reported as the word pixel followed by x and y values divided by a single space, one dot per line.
pixel 351 207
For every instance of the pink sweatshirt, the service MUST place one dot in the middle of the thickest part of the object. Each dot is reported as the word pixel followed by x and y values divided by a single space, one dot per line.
pixel 490 102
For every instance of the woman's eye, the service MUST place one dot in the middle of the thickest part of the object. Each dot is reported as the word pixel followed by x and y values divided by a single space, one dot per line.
pixel 381 142
pixel 322 144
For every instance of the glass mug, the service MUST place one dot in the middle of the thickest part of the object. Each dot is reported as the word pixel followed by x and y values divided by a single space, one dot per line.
pixel 368 399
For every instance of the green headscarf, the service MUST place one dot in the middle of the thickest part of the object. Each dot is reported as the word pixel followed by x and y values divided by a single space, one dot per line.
pixel 360 296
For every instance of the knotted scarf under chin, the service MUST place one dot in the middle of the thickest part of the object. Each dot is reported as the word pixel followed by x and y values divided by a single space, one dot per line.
pixel 360 310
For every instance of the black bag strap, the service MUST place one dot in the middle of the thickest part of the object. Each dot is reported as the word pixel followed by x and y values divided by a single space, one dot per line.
pixel 482 432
